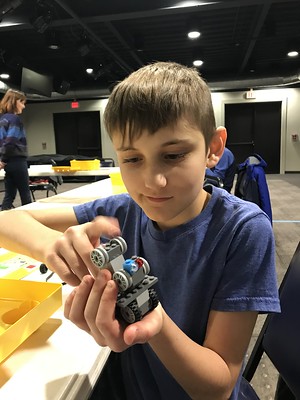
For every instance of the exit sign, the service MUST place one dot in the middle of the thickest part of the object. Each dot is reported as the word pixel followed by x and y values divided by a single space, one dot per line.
pixel 250 94
pixel 75 104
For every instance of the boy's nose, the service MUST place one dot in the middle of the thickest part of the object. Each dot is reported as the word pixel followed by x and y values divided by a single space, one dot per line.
pixel 155 179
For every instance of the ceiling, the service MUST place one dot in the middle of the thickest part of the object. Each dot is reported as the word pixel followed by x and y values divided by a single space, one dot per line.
pixel 243 43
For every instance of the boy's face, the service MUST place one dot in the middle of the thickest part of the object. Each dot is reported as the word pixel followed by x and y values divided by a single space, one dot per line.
pixel 164 172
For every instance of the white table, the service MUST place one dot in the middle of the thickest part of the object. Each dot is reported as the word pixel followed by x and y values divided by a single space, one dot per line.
pixel 46 170
pixel 82 194
pixel 58 361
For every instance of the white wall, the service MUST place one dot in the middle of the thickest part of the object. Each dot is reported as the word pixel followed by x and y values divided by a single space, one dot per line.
pixel 38 120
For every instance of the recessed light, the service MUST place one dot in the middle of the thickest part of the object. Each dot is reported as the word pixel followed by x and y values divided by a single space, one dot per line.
pixel 197 63
pixel 4 76
pixel 194 34
pixel 53 46
pixel 293 53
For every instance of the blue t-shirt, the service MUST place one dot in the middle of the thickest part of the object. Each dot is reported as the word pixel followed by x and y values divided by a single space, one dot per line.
pixel 222 260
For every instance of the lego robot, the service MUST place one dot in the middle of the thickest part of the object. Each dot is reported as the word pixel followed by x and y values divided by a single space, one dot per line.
pixel 136 297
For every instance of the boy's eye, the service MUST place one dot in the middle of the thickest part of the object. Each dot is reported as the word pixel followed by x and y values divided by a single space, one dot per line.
pixel 175 157
pixel 167 157
pixel 131 160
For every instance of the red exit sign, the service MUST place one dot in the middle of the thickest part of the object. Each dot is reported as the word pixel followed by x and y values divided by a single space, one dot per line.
pixel 75 104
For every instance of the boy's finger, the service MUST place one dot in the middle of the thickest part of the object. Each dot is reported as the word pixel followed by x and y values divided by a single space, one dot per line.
pixel 76 305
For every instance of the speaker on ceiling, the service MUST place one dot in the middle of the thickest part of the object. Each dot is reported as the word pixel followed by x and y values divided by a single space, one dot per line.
pixel 61 86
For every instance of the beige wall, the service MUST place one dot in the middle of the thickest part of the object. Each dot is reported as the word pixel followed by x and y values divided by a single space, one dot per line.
pixel 38 120
pixel 290 121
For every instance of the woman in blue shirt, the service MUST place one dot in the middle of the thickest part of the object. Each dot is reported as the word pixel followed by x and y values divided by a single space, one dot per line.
pixel 13 149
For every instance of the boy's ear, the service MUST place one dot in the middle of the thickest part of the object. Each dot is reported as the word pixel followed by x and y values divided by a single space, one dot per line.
pixel 216 147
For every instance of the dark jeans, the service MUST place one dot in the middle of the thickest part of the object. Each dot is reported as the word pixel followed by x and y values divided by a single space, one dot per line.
pixel 16 178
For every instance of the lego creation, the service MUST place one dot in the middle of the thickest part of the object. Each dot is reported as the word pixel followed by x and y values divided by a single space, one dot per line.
pixel 136 297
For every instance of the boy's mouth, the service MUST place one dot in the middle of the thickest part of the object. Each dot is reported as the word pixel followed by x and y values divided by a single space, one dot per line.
pixel 158 199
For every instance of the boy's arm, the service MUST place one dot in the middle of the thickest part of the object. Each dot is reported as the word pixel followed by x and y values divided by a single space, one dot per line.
pixel 205 372
pixel 209 371
pixel 54 237
pixel 27 231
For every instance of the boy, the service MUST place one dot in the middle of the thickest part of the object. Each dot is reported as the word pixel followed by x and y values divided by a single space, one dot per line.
pixel 212 253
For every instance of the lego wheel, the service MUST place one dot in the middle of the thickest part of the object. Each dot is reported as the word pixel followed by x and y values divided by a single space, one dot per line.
pixel 99 257
pixel 123 280
pixel 131 313
pixel 153 299
pixel 121 242
pixel 146 266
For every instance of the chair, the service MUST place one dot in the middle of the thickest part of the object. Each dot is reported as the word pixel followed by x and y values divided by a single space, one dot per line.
pixel 107 162
pixel 251 183
pixel 280 339
pixel 213 180
pixel 48 184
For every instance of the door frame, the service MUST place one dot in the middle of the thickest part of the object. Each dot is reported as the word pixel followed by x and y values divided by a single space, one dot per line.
pixel 277 97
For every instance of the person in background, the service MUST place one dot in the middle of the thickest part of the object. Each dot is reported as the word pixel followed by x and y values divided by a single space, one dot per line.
pixel 13 149
pixel 225 169
pixel 213 253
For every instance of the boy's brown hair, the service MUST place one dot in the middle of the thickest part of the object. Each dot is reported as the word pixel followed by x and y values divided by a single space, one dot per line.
pixel 158 95
pixel 9 102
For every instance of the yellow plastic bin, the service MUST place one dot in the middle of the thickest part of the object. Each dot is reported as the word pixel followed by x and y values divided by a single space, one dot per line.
pixel 84 165
pixel 117 183
pixel 24 307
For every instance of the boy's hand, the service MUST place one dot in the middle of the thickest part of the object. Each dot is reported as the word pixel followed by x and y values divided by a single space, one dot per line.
pixel 91 306
pixel 69 253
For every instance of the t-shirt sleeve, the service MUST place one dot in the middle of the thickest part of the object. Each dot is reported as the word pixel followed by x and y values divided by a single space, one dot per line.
pixel 112 206
pixel 249 281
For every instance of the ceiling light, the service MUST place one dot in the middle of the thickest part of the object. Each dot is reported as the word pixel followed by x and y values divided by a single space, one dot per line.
pixel 4 76
pixel 89 70
pixel 197 56
pixel 53 41
pixel 193 25
pixel 195 3
pixel 197 63
pixel 194 34
pixel 293 53
pixel 3 86
pixel 293 48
